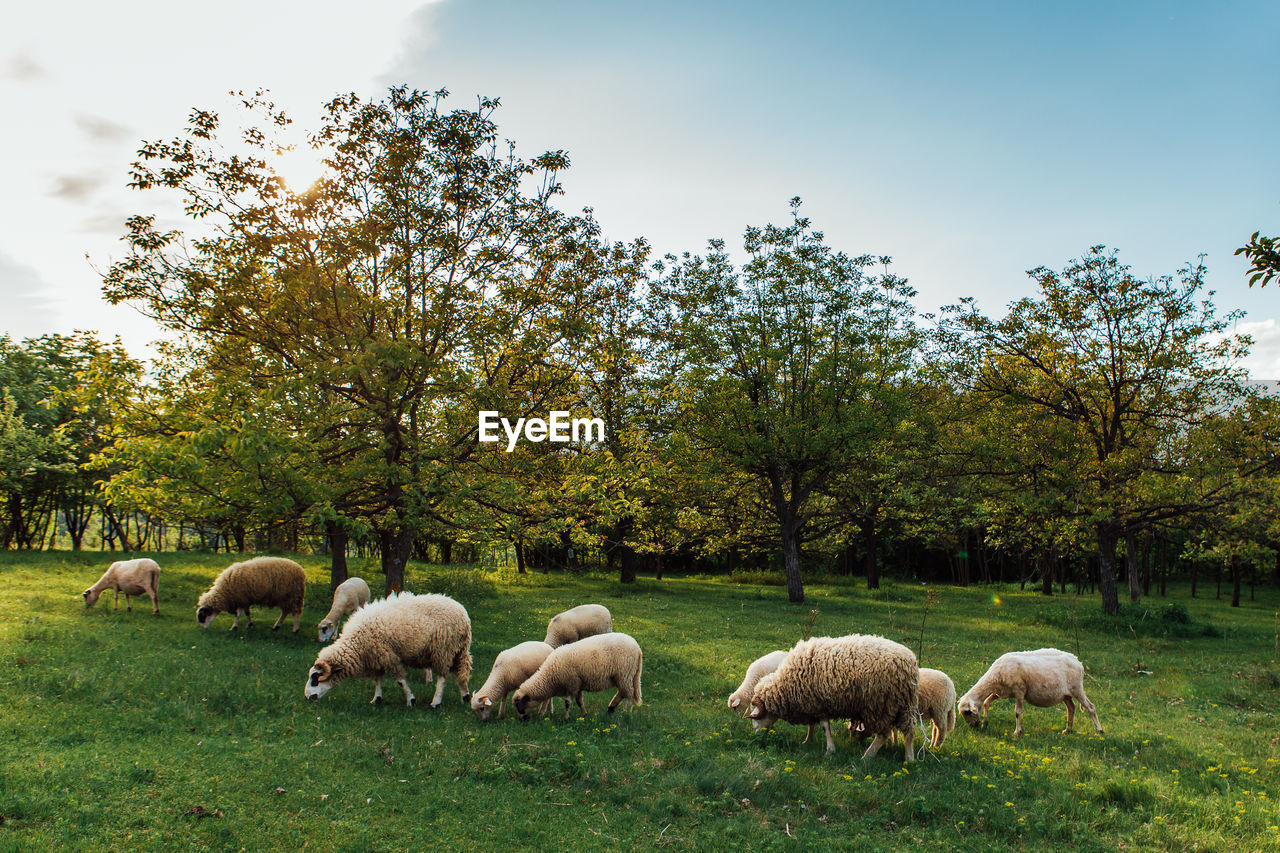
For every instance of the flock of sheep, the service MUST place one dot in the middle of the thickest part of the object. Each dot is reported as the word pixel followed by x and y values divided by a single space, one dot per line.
pixel 874 683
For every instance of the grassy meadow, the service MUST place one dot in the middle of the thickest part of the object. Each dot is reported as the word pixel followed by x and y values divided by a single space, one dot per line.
pixel 124 731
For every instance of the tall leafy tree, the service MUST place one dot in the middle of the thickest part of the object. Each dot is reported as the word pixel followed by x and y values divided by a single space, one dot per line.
pixel 425 276
pixel 1125 365
pixel 782 363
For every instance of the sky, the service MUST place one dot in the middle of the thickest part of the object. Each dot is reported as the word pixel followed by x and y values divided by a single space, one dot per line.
pixel 972 142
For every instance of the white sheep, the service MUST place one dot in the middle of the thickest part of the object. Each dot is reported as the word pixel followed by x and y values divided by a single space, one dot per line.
pixel 585 620
pixel 132 577
pixel 259 582
pixel 511 668
pixel 594 663
pixel 758 669
pixel 859 677
pixel 350 596
pixel 1043 677
pixel 392 635
pixel 937 703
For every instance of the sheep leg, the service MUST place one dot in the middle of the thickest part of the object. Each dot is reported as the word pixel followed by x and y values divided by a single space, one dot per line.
pixel 502 705
pixel 117 607
pixel 278 621
pixel 1017 716
pixel 128 602
pixel 876 743
pixel 155 602
pixel 377 691
pixel 936 741
pixel 826 730
pixel 297 619
pixel 807 735
pixel 1071 713
pixel 235 621
pixel 613 703
pixel 409 698
pixel 248 619
pixel 1088 706
pixel 582 709
pixel 908 738
pixel 439 697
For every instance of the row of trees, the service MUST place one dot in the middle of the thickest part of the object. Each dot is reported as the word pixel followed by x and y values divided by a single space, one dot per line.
pixel 332 346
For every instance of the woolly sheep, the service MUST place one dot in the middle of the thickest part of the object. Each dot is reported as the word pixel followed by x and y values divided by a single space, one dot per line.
pixel 585 620
pixel 351 595
pixel 587 665
pixel 259 582
pixel 132 577
pixel 511 668
pixel 861 677
pixel 392 635
pixel 1043 677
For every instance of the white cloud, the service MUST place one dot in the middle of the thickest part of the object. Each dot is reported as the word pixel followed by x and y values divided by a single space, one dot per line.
pixel 1263 362
pixel 27 300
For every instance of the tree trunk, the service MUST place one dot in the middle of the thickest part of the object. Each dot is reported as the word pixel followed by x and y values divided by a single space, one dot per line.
pixel 238 532
pixel 1046 573
pixel 791 565
pixel 1131 565
pixel 1235 581
pixel 1107 568
pixel 337 541
pixel 446 551
pixel 396 547
pixel 520 568
pixel 870 566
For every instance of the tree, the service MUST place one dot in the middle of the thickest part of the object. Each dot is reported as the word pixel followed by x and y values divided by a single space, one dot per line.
pixel 425 276
pixel 1126 366
pixel 779 367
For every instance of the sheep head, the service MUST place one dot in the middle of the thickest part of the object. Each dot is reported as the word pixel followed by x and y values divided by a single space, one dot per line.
pixel 204 616
pixel 482 705
pixel 91 596
pixel 972 712
pixel 326 630
pixel 760 718
pixel 322 678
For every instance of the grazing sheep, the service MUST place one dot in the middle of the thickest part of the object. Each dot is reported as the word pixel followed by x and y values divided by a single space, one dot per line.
pixel 132 577
pixel 861 677
pixel 759 668
pixel 591 664
pixel 350 596
pixel 937 702
pixel 510 669
pixel 259 582
pixel 585 620
pixel 1043 677
pixel 392 635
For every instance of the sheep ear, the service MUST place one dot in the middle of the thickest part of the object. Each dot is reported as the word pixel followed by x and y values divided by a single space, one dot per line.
pixel 735 702
pixel 487 701
pixel 754 713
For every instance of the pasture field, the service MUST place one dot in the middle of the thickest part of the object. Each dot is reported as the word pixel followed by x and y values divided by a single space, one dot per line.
pixel 124 731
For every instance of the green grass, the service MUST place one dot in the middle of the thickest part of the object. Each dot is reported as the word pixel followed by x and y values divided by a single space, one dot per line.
pixel 133 732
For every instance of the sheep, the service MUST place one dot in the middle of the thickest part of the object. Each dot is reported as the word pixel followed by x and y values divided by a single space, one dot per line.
pixel 510 669
pixel 861 677
pixel 259 582
pixel 392 635
pixel 759 668
pixel 591 664
pixel 351 595
pixel 132 577
pixel 937 703
pixel 1043 677
pixel 585 620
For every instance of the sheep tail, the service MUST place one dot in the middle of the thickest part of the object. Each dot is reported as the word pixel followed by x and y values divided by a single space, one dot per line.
pixel 635 682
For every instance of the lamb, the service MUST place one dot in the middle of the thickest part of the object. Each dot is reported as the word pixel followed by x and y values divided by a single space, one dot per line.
pixel 392 635
pixel 259 582
pixel 585 620
pixel 861 677
pixel 350 596
pixel 511 668
pixel 132 577
pixel 1043 677
pixel 591 664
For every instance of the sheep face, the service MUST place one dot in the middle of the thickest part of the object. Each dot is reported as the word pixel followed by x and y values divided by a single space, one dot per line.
pixel 321 679
pixel 971 711
pixel 482 705
pixel 204 616
pixel 520 702
pixel 327 630
pixel 91 596
pixel 760 718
